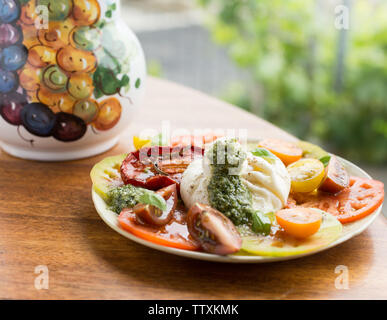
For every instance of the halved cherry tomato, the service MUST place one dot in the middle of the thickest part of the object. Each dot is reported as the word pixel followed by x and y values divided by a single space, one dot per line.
pixel 194 140
pixel 157 167
pixel 306 175
pixel 174 234
pixel 299 222
pixel 360 199
pixel 213 230
pixel 336 178
pixel 288 152
pixel 154 216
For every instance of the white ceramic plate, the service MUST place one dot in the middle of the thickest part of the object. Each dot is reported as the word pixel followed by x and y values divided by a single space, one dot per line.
pixel 349 230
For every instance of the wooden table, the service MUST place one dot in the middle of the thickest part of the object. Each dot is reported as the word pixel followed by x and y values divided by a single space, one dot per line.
pixel 47 218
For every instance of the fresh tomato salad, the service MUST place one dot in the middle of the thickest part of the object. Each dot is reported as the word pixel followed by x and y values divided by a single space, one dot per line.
pixel 216 195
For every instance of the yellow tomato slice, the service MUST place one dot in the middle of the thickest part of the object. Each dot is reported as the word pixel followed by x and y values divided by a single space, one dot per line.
pixel 310 150
pixel 106 175
pixel 299 222
pixel 280 243
pixel 306 175
pixel 139 143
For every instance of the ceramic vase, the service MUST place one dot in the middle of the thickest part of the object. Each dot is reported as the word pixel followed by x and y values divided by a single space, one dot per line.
pixel 72 75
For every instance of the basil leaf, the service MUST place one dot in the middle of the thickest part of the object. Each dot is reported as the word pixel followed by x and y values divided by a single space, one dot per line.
pixel 153 199
pixel 265 154
pixel 260 223
pixel 261 152
pixel 271 216
pixel 325 160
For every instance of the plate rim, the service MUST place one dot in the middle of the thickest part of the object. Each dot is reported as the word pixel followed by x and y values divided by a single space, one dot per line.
pixel 233 259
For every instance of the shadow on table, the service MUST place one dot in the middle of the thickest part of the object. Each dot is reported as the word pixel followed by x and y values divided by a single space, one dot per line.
pixel 150 274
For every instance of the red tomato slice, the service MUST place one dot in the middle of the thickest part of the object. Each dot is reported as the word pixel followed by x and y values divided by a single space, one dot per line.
pixel 175 234
pixel 157 167
pixel 194 140
pixel 323 201
pixel 360 199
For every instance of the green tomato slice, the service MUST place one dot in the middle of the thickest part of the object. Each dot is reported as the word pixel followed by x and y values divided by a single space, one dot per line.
pixel 310 150
pixel 106 175
pixel 279 244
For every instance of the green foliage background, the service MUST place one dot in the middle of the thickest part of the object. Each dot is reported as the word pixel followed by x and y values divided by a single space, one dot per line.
pixel 290 49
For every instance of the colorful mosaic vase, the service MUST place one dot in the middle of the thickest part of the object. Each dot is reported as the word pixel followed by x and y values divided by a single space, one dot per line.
pixel 72 75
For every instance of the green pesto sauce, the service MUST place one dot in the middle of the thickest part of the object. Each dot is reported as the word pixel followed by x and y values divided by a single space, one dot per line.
pixel 228 195
pixel 123 197
pixel 226 192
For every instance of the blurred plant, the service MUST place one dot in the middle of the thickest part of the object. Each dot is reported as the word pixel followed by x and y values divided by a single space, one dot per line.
pixel 294 55
pixel 236 94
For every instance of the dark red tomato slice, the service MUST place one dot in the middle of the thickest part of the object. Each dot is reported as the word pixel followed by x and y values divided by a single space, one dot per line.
pixel 336 178
pixel 360 199
pixel 157 167
pixel 213 230
pixel 174 234
pixel 154 216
